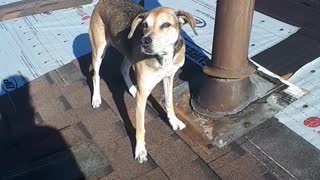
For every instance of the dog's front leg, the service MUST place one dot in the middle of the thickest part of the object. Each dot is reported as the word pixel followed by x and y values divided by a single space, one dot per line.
pixel 141 101
pixel 173 120
pixel 146 81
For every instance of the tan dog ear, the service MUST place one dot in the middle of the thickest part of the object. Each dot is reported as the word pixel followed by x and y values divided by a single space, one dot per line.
pixel 185 18
pixel 135 23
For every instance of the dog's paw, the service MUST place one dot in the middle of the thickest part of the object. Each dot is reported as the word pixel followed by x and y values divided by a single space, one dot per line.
pixel 133 91
pixel 141 154
pixel 176 123
pixel 96 101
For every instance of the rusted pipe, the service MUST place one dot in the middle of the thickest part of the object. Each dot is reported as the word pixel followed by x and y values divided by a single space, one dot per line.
pixel 231 40
pixel 226 87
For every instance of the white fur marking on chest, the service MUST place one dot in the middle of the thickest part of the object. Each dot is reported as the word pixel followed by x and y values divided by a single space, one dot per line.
pixel 167 60
pixel 168 67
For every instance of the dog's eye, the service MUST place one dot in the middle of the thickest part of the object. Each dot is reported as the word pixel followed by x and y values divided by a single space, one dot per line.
pixel 145 25
pixel 165 25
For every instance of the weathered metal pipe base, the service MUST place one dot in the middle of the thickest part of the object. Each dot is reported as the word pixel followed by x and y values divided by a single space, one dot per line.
pixel 221 97
pixel 229 74
pixel 206 132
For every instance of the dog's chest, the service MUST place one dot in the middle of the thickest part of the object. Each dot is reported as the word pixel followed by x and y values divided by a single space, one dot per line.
pixel 167 71
pixel 165 66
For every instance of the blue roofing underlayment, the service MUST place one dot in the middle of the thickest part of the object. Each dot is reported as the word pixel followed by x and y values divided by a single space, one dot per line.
pixel 34 45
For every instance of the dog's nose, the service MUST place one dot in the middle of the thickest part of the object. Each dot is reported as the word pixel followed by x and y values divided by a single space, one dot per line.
pixel 146 42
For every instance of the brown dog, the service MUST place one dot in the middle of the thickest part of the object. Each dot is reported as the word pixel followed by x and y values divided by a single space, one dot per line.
pixel 151 42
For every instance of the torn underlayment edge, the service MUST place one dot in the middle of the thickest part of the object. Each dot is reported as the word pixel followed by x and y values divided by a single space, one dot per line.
pixel 292 88
pixel 35 45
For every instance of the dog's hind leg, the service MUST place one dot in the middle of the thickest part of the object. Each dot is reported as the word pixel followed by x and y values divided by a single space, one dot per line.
pixel 173 120
pixel 125 69
pixel 98 41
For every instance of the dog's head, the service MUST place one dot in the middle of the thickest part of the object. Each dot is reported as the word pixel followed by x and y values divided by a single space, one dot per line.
pixel 161 28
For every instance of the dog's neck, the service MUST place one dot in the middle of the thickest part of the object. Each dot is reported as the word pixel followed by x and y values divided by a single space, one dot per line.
pixel 167 57
pixel 178 45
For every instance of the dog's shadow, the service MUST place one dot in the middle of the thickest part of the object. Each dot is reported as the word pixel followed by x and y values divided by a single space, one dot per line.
pixel 110 74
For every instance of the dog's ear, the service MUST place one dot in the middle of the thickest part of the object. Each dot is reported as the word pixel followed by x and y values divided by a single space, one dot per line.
pixel 135 23
pixel 185 18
